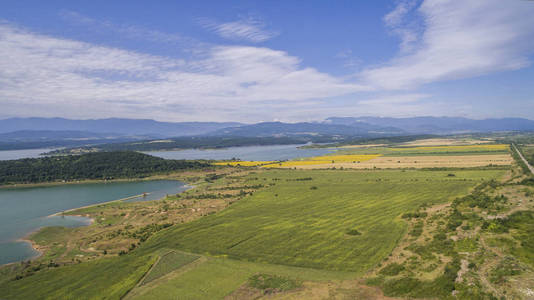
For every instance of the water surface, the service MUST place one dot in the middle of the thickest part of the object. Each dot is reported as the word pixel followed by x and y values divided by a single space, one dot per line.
pixel 24 210
pixel 261 153
pixel 24 153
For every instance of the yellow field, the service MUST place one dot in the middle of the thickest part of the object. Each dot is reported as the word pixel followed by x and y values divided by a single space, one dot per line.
pixel 446 142
pixel 399 162
pixel 322 160
pixel 243 163
pixel 474 148
pixel 345 158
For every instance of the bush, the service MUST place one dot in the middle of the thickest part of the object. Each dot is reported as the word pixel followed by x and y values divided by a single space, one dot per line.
pixel 353 232
pixel 392 269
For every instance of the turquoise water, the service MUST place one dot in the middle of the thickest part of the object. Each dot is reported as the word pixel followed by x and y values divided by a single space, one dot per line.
pixel 24 210
pixel 264 153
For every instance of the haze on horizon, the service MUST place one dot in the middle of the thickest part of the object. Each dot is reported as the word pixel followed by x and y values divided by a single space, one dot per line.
pixel 251 61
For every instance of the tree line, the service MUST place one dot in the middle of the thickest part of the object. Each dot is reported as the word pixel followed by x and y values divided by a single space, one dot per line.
pixel 100 165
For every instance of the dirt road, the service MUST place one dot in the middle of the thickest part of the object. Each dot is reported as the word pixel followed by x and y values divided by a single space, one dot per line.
pixel 524 160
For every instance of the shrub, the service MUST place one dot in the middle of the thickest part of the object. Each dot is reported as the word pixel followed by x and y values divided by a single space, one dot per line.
pixel 353 232
pixel 392 269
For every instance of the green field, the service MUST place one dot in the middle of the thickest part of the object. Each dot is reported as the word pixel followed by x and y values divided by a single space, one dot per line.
pixel 106 278
pixel 301 219
pixel 305 223
pixel 528 153
pixel 168 262
pixel 218 277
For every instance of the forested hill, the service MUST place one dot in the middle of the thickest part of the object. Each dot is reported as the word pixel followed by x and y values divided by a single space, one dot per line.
pixel 102 165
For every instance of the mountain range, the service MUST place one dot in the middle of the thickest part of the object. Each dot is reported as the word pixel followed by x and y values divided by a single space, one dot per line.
pixel 21 133
pixel 116 126
pixel 439 125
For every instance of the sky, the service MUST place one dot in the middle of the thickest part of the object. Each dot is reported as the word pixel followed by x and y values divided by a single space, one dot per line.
pixel 257 61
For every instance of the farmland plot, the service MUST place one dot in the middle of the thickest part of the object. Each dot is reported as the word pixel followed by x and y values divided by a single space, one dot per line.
pixel 305 218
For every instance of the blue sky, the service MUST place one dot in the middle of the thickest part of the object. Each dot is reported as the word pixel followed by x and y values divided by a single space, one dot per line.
pixel 254 61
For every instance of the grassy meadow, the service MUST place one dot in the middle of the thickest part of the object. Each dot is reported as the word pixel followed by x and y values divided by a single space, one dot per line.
pixel 106 278
pixel 304 218
pixel 219 277
pixel 167 263
pixel 307 225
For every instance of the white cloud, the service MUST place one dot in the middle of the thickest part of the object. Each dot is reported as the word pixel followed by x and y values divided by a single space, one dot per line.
pixel 128 31
pixel 460 39
pixel 397 16
pixel 400 22
pixel 45 73
pixel 392 105
pixel 349 60
pixel 250 29
pixel 394 99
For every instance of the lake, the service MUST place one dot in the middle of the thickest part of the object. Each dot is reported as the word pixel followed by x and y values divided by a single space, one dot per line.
pixel 25 210
pixel 24 153
pixel 261 153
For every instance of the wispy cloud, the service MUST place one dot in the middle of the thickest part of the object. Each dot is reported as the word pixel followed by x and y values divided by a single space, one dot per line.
pixel 349 60
pixel 393 105
pixel 128 31
pixel 459 39
pixel 249 29
pixel 401 22
pixel 87 80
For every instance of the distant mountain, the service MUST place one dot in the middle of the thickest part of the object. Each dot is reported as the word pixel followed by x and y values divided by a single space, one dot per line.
pixel 27 133
pixel 53 135
pixel 306 129
pixel 439 125
pixel 127 127
pixel 34 139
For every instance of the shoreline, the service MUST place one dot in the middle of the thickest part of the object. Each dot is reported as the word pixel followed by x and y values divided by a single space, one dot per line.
pixel 40 251
pixel 96 204
pixel 83 181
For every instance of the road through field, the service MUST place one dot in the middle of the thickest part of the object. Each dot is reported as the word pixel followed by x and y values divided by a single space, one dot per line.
pixel 524 160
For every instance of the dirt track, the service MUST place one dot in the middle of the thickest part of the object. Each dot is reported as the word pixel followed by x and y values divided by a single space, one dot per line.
pixel 524 160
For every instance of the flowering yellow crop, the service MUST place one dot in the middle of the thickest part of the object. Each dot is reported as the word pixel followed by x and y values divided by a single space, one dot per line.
pixel 321 160
pixel 496 147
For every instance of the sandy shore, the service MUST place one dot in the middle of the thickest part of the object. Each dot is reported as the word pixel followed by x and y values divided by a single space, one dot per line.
pixel 39 249
pixel 96 204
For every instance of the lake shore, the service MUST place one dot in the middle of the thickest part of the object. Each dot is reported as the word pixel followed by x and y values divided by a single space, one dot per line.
pixel 172 176
pixel 96 204
pixel 40 250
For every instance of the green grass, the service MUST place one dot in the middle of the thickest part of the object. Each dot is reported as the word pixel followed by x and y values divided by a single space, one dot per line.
pixel 169 262
pixel 274 282
pixel 466 245
pixel 55 234
pixel 528 153
pixel 106 278
pixel 285 225
pixel 290 224
pixel 522 224
pixel 392 269
pixel 219 277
